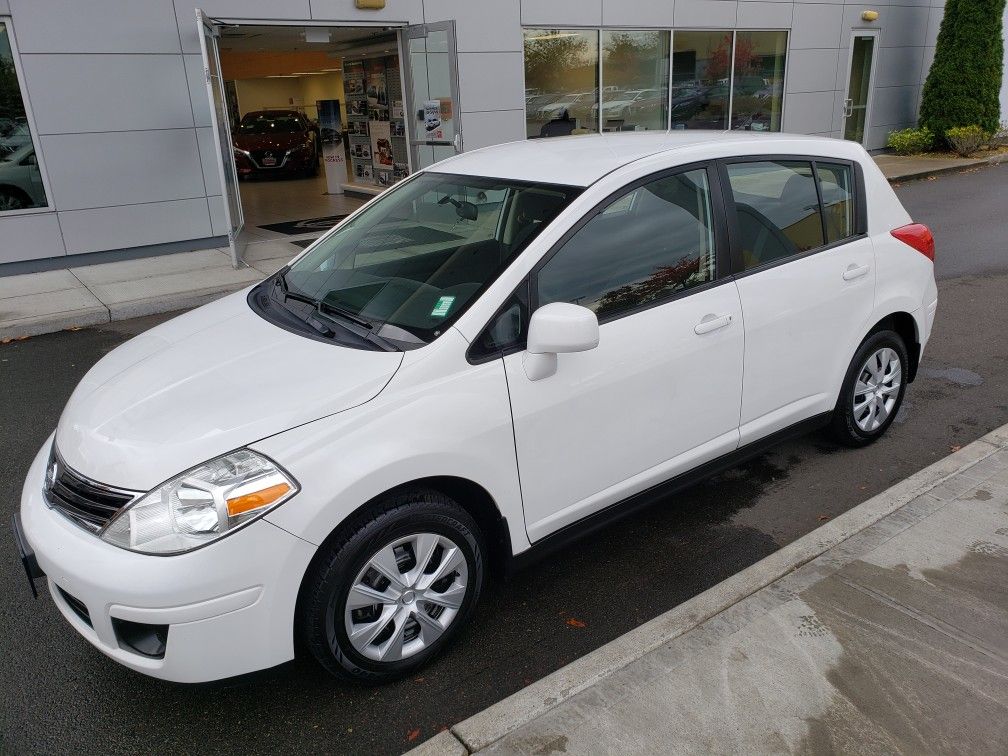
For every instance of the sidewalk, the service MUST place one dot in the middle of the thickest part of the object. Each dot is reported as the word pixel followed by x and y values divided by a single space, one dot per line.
pixel 907 167
pixel 37 303
pixel 884 631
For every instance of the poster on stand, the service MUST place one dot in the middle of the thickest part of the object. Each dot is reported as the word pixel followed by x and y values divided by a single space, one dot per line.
pixel 331 133
pixel 437 121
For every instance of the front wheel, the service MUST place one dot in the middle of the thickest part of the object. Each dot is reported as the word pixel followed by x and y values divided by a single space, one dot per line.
pixel 872 391
pixel 393 591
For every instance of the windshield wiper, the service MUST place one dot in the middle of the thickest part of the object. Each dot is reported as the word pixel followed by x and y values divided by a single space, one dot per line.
pixel 327 308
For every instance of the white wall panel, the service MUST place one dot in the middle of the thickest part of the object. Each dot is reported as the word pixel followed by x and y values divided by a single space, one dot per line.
pixel 760 15
pixel 718 14
pixel 75 93
pixel 817 25
pixel 102 169
pixel 95 26
pixel 561 12
pixel 808 112
pixel 135 225
pixel 479 26
pixel 30 237
pixel 492 127
pixel 409 11
pixel 638 13
pixel 491 81
pixel 812 70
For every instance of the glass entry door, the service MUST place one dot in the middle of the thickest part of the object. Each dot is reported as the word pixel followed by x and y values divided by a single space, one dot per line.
pixel 862 57
pixel 209 33
pixel 431 68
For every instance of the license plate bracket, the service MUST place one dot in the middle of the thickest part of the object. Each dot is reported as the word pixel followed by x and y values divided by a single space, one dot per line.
pixel 28 560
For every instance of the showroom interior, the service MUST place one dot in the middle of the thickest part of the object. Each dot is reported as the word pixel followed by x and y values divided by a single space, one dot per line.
pixel 332 93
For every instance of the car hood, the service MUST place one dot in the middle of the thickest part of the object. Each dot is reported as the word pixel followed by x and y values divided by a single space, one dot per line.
pixel 210 381
pixel 270 141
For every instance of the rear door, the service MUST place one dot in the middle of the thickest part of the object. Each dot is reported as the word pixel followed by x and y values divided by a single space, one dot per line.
pixel 660 394
pixel 805 270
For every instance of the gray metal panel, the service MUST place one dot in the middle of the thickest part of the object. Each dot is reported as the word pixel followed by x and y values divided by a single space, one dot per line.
pixel 637 13
pixel 218 222
pixel 491 81
pixel 135 225
pixel 400 11
pixel 705 13
pixel 479 26
pixel 30 237
pixel 904 26
pixel 107 168
pixel 898 66
pixel 894 107
pixel 812 70
pixel 208 146
pixel 764 15
pixel 77 93
pixel 818 25
pixel 809 112
pixel 561 12
pixel 494 127
pixel 196 81
pixel 62 26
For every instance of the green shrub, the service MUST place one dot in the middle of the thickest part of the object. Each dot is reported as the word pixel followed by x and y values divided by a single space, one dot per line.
pixel 967 139
pixel 965 78
pixel 910 141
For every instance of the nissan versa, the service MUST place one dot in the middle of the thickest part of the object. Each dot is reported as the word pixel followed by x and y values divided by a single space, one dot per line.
pixel 502 352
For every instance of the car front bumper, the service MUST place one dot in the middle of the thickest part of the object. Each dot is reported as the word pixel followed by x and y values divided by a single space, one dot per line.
pixel 227 608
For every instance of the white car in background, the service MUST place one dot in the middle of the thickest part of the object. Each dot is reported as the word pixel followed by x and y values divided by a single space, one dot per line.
pixel 20 180
pixel 502 352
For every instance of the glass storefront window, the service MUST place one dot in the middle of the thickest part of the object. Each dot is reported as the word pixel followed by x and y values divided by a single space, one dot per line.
pixel 20 178
pixel 634 80
pixel 701 72
pixel 758 80
pixel 561 81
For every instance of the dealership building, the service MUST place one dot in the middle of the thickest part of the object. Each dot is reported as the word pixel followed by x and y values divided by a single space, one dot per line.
pixel 128 128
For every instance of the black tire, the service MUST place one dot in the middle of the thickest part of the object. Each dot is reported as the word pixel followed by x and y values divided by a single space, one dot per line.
pixel 322 604
pixel 843 425
pixel 13 199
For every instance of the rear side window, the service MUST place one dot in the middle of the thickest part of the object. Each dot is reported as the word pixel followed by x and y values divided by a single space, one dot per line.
pixel 777 206
pixel 646 246
pixel 837 187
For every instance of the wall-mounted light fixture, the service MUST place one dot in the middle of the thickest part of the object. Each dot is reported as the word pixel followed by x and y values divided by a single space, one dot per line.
pixel 370 4
pixel 869 15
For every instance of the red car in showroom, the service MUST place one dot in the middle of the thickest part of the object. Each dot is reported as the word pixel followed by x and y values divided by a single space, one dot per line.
pixel 280 142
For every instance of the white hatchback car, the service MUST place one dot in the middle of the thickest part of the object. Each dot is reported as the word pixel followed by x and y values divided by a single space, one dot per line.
pixel 500 353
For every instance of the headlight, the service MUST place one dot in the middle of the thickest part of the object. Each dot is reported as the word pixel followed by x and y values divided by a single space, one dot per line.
pixel 202 504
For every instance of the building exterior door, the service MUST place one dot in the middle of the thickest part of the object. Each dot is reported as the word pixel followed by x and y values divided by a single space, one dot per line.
pixel 430 64
pixel 859 78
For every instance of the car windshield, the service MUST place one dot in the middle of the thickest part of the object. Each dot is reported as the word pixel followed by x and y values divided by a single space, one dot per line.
pixel 270 123
pixel 418 255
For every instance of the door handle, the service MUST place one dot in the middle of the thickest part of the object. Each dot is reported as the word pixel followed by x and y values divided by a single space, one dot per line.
pixel 711 323
pixel 854 271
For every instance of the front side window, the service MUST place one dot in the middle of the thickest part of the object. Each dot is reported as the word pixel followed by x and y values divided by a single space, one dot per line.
pixel 777 207
pixel 644 247
pixel 20 178
pixel 410 263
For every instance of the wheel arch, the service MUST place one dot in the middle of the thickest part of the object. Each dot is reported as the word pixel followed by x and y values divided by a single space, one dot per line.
pixel 904 324
pixel 471 496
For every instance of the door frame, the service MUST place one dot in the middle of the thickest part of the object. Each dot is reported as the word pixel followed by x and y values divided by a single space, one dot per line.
pixel 860 32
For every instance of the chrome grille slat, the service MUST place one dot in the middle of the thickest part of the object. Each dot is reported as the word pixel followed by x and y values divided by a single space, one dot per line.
pixel 85 502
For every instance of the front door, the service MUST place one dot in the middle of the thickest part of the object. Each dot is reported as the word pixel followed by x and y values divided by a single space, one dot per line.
pixel 235 219
pixel 858 102
pixel 660 394
pixel 430 63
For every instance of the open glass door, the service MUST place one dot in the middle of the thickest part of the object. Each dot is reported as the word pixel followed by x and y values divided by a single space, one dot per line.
pixel 431 68
pixel 209 32
pixel 862 58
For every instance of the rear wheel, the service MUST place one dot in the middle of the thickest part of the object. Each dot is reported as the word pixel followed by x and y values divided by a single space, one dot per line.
pixel 394 590
pixel 872 391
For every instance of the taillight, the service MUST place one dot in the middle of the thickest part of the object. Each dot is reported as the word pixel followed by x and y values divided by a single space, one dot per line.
pixel 918 236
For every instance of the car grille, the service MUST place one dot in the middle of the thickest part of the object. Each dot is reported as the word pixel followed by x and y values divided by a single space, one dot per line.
pixel 260 155
pixel 85 502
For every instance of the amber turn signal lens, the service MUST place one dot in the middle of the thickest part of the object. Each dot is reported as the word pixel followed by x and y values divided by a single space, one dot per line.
pixel 248 502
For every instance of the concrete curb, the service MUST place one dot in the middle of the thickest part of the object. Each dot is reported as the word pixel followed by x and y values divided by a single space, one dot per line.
pixel 493 723
pixel 939 170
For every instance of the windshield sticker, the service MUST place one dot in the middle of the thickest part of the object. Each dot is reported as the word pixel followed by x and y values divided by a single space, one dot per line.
pixel 441 308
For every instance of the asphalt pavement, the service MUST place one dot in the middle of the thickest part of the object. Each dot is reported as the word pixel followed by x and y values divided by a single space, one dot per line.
pixel 61 695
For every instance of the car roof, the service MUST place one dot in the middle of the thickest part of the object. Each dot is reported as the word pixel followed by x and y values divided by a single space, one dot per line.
pixel 583 159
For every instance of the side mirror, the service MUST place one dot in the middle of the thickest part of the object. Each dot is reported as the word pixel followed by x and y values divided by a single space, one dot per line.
pixel 558 328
